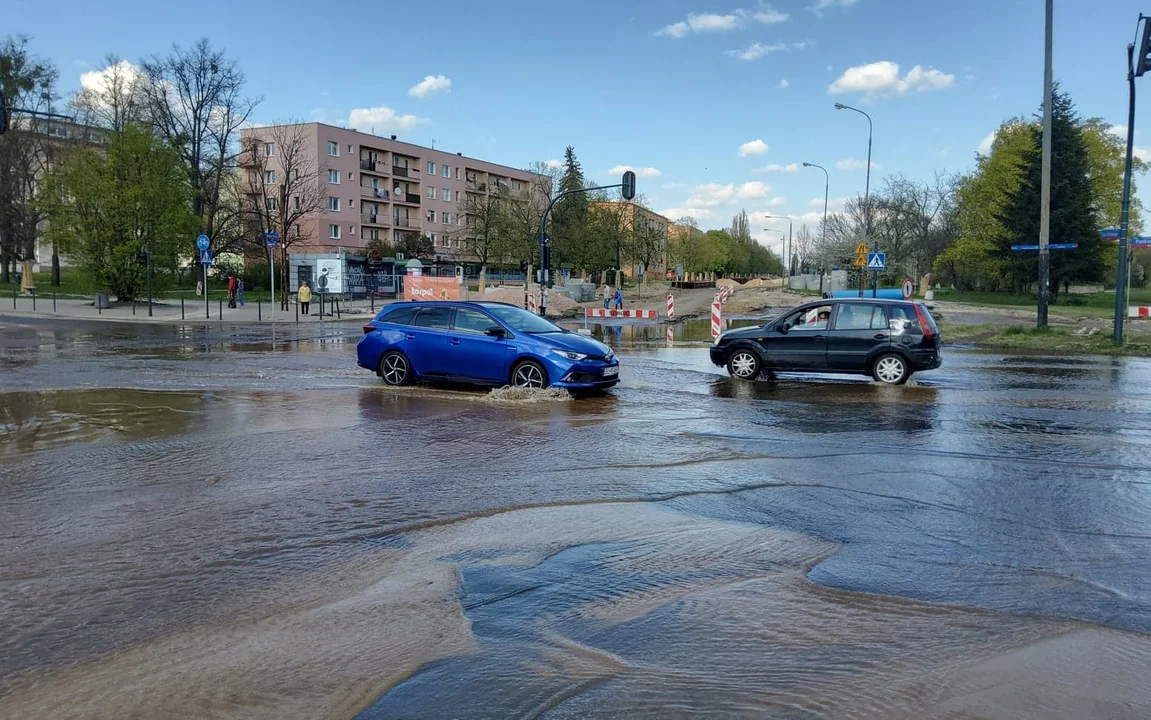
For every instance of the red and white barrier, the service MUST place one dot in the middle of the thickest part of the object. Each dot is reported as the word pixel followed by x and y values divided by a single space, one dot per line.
pixel 715 317
pixel 631 314
pixel 670 336
pixel 532 302
pixel 724 293
pixel 670 307
pixel 1139 311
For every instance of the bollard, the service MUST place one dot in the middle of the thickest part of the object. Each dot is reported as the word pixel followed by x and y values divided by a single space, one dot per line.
pixel 182 307
pixel 259 311
pixel 337 301
pixel 13 298
pixel 53 301
pixel 373 296
pixel 133 306
pixel 297 312
pixel 716 317
pixel 321 306
pixel 33 301
pixel 670 307
pixel 221 311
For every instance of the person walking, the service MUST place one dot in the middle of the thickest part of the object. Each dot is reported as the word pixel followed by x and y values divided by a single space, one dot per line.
pixel 606 295
pixel 231 291
pixel 240 291
pixel 304 297
pixel 619 298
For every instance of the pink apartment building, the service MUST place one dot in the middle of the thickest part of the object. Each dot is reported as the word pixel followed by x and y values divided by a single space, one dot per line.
pixel 377 187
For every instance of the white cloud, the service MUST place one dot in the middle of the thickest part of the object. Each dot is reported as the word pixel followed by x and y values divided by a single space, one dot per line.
pixel 756 51
pixel 1143 153
pixel 986 143
pixel 883 78
pixel 777 202
pixel 753 147
pixel 853 164
pixel 640 172
pixel 752 190
pixel 715 22
pixel 553 164
pixel 835 203
pixel 383 121
pixel 430 85
pixel 676 213
pixel 711 195
pixel 803 44
pixel 789 168
pixel 98 81
pixel 783 84
pixel 821 6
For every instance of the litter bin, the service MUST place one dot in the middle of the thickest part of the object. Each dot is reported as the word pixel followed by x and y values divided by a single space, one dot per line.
pixel 102 301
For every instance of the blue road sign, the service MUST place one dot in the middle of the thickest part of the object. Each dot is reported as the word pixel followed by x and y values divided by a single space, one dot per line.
pixel 1141 241
pixel 876 261
pixel 205 257
pixel 1109 234
pixel 1050 246
pixel 203 242
pixel 271 239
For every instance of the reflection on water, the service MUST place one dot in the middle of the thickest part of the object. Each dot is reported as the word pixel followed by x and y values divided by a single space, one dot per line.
pixel 260 529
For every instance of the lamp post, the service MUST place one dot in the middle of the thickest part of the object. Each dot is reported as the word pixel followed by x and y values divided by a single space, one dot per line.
pixel 1137 66
pixel 823 226
pixel 788 246
pixel 866 194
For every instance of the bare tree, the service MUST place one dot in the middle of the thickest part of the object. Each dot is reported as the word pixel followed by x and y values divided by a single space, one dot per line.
pixel 927 209
pixel 195 99
pixel 487 228
pixel 118 99
pixel 804 247
pixel 283 185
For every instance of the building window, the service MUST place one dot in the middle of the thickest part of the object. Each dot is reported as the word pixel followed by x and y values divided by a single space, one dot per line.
pixel 446 195
pixel 271 204
pixel 334 177
pixel 334 204
pixel 349 149
pixel 333 148
pixel 459 196
pixel 296 230
pixel 351 202
pixel 269 149
pixel 446 218
pixel 296 203
pixel 447 172
pixel 431 193
pixel 351 229
pixel 351 176
pixel 431 216
pixel 294 174
pixel 374 234
pixel 431 168
pixel 334 232
pixel 457 172
pixel 517 185
pixel 252 176
pixel 269 177
pixel 432 236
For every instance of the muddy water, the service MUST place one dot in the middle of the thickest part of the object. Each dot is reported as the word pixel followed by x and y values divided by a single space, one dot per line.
pixel 212 523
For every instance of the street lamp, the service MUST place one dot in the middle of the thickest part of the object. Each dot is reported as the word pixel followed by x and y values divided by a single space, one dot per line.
pixel 866 194
pixel 782 236
pixel 823 226
pixel 788 246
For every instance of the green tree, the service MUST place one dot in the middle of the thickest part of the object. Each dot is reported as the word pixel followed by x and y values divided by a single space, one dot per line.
pixel 573 238
pixel 108 205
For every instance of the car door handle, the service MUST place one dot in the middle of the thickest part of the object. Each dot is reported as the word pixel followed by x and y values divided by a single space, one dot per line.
pixel 409 336
pixel 454 341
pixel 819 338
pixel 881 336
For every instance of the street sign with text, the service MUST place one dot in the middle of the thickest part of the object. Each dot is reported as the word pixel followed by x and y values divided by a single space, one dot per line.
pixel 1110 234
pixel 1141 241
pixel 271 239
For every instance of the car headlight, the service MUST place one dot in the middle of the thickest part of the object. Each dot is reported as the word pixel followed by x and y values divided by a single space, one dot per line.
pixel 718 339
pixel 570 355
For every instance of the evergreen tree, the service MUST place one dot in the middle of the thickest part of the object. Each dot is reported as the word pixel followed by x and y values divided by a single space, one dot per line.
pixel 571 232
pixel 1072 210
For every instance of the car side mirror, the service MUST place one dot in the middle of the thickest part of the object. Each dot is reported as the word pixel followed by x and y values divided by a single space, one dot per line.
pixel 496 331
pixel 784 328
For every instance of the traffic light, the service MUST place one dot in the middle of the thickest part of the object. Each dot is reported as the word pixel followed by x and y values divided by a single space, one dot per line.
pixel 142 258
pixel 628 185
pixel 1143 60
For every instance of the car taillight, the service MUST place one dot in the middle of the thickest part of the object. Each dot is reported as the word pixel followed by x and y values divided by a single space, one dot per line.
pixel 369 328
pixel 927 333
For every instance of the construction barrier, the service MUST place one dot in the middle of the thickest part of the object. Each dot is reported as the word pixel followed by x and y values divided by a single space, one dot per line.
pixel 633 314
pixel 724 294
pixel 532 303
pixel 670 336
pixel 1139 311
pixel 670 307
pixel 715 317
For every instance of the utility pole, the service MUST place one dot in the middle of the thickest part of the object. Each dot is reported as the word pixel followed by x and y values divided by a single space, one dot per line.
pixel 1045 188
pixel 867 197
pixel 1134 69
pixel 823 226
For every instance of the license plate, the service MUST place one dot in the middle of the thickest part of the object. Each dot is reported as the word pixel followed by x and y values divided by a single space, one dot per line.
pixel 611 371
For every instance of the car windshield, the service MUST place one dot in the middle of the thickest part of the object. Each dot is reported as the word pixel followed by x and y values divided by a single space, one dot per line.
pixel 523 321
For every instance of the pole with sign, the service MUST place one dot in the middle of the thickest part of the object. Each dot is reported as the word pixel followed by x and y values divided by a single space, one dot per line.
pixel 861 263
pixel 272 241
pixel 202 244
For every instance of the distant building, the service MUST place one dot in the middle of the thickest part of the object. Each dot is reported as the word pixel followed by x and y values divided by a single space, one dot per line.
pixel 379 188
pixel 650 232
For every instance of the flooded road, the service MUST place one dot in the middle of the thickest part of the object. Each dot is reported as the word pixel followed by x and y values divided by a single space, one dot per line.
pixel 211 522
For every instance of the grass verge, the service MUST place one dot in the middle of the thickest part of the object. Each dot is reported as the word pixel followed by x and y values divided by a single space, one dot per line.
pixel 1054 340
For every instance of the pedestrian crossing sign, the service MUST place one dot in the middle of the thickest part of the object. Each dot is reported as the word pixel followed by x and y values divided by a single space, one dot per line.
pixel 876 261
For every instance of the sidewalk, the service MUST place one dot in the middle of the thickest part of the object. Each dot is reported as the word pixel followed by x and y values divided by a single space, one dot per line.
pixel 169 311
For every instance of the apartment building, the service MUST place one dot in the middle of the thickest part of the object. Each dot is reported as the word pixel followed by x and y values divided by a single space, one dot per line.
pixel 380 188
pixel 650 232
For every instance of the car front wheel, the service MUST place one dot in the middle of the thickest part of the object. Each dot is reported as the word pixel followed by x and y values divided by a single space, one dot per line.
pixel 891 369
pixel 743 364
pixel 529 374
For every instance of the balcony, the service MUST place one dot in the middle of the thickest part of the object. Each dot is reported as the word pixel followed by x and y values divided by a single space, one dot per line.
pixel 399 171
pixel 373 219
pixel 413 198
pixel 371 192
pixel 374 166
pixel 403 222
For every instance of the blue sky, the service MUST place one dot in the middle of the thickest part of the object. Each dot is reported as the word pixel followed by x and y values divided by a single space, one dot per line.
pixel 673 88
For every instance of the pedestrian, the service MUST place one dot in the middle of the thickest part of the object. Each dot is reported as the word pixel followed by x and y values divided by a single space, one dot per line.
pixel 240 291
pixel 231 291
pixel 606 295
pixel 619 298
pixel 304 297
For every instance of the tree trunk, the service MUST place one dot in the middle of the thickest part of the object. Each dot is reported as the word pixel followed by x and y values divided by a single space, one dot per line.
pixel 55 265
pixel 5 273
pixel 483 279
pixel 284 278
pixel 27 281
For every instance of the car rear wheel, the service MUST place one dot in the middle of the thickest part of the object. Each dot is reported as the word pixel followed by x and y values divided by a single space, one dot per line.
pixel 743 364
pixel 395 369
pixel 529 374
pixel 891 369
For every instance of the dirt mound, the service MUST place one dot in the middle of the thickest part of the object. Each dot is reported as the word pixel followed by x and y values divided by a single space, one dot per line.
pixel 761 283
pixel 557 304
pixel 725 282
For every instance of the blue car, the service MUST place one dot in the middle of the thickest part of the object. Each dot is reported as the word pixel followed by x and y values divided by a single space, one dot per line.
pixel 484 343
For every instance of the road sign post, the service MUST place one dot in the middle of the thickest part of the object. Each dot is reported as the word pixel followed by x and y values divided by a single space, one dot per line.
pixel 203 243
pixel 861 263
pixel 272 241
